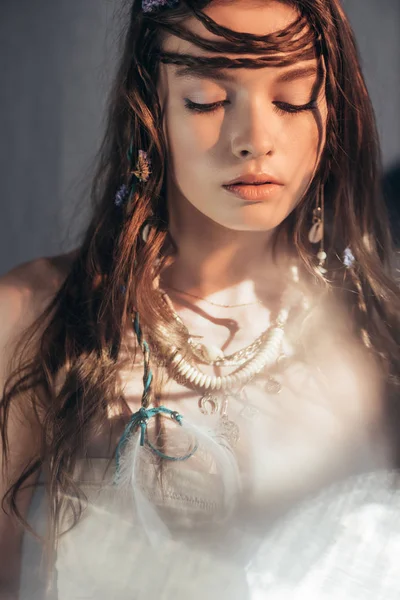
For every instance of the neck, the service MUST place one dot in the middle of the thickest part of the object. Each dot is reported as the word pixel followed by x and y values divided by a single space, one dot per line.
pixel 212 259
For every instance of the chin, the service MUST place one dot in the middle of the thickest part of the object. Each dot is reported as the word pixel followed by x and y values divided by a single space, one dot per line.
pixel 252 223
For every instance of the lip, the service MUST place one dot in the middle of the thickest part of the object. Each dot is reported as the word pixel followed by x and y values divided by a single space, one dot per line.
pixel 254 178
pixel 254 193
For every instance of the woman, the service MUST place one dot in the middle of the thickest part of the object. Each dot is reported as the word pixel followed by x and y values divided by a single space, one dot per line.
pixel 223 348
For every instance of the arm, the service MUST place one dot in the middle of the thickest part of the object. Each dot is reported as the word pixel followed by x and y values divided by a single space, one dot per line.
pixel 24 294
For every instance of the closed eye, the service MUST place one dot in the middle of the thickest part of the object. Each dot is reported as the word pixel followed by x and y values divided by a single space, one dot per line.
pixel 285 108
pixel 204 108
pixel 280 107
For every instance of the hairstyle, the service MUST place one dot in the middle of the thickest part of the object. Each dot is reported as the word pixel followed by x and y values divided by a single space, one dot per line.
pixel 79 335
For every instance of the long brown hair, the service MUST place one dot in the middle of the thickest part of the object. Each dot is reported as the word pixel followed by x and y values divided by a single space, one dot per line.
pixel 113 272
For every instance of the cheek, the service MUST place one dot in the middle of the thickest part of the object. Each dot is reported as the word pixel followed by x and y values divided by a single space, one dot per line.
pixel 191 138
pixel 302 139
pixel 304 142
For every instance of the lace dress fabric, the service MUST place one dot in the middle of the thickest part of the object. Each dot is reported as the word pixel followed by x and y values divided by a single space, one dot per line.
pixel 340 544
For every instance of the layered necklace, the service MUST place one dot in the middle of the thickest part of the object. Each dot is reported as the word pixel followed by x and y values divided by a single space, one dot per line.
pixel 215 390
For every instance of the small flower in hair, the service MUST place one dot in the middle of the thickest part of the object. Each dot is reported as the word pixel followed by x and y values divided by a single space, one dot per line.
pixel 121 195
pixel 142 166
pixel 348 258
pixel 154 5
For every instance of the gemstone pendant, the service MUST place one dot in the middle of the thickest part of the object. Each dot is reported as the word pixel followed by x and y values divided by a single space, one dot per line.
pixel 272 386
pixel 249 412
pixel 282 362
pixel 229 430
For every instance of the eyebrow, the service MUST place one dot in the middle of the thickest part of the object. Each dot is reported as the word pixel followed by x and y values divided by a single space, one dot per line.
pixel 202 71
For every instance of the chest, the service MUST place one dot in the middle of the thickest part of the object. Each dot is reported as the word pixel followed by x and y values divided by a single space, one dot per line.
pixel 319 427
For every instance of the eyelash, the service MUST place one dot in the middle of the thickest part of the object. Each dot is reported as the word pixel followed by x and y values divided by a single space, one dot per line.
pixel 281 108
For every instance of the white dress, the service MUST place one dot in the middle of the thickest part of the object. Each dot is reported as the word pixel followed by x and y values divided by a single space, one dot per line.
pixel 340 541
pixel 340 544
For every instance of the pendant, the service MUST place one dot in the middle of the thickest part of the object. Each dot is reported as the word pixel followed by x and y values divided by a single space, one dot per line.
pixel 316 232
pixel 249 412
pixel 229 430
pixel 272 386
pixel 209 404
pixel 208 354
pixel 212 353
pixel 282 362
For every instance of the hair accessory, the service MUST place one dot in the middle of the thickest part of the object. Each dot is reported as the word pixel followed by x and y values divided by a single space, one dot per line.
pixel 139 420
pixel 132 450
pixel 121 195
pixel 149 6
pixel 141 173
pixel 316 233
pixel 348 258
pixel 145 232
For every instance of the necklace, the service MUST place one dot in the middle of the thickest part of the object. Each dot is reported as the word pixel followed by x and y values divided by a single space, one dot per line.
pixel 266 355
pixel 210 302
pixel 207 354
pixel 263 353
pixel 187 373
pixel 211 387
pixel 212 355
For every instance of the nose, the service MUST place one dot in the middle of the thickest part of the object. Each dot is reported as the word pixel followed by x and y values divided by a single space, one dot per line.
pixel 252 135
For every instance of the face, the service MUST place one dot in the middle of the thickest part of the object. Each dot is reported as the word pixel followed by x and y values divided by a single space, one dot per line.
pixel 245 121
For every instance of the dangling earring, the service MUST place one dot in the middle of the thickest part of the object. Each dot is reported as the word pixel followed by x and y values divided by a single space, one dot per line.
pixel 316 233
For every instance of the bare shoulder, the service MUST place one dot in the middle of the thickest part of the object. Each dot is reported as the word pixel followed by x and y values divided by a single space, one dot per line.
pixel 26 290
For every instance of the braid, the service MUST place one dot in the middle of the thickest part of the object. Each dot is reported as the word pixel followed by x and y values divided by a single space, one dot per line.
pixel 221 62
pixel 296 42
pixel 147 372
pixel 240 43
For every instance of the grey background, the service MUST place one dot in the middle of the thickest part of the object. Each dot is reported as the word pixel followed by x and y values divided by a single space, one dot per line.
pixel 56 62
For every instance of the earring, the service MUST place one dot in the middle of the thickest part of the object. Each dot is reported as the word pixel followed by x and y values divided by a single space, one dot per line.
pixel 316 233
